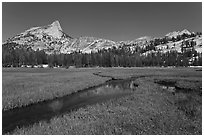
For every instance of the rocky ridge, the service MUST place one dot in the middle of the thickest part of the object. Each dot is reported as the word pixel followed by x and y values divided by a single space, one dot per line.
pixel 52 39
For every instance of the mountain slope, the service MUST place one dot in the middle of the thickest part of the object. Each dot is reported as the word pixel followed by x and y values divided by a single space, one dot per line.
pixel 48 38
pixel 178 33
pixel 52 39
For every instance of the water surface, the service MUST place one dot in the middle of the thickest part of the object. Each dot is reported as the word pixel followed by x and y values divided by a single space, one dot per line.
pixel 31 114
pixel 189 101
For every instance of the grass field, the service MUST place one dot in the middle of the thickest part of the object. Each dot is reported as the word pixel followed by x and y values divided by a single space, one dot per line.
pixel 23 86
pixel 149 110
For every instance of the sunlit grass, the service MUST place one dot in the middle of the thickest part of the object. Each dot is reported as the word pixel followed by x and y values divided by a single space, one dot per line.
pixel 149 110
pixel 25 86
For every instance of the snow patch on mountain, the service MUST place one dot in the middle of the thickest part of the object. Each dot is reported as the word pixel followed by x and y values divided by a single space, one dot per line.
pixel 176 46
pixel 185 31
pixel 178 33
pixel 52 39
pixel 198 46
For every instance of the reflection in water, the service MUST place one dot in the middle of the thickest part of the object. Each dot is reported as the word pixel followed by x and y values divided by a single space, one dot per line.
pixel 169 88
pixel 133 85
pixel 167 85
pixel 188 101
pixel 46 110
pixel 56 105
pixel 114 87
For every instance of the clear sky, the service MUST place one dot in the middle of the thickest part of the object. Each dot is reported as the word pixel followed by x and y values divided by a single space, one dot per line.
pixel 114 21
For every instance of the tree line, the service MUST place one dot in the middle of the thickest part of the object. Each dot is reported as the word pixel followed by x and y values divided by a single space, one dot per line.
pixel 115 57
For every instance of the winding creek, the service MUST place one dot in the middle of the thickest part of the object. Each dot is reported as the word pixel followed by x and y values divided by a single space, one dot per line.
pixel 46 110
pixel 115 88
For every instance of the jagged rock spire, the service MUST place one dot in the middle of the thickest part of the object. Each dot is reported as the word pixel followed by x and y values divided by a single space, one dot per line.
pixel 54 30
pixel 57 25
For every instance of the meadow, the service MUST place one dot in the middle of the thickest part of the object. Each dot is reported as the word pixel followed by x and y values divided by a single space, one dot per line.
pixel 24 86
pixel 150 109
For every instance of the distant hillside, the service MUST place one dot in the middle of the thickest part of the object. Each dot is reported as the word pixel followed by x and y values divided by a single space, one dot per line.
pixel 40 43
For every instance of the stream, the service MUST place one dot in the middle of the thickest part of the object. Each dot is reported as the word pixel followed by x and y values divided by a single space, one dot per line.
pixel 44 111
pixel 186 100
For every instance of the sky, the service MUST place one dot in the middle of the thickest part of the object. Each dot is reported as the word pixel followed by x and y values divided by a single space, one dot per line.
pixel 113 21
